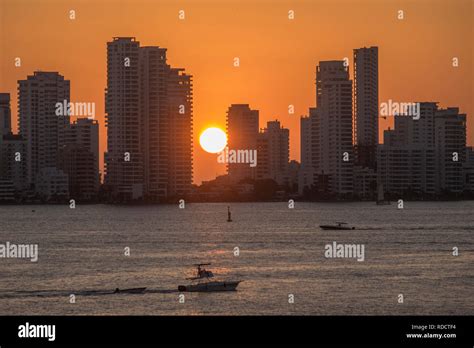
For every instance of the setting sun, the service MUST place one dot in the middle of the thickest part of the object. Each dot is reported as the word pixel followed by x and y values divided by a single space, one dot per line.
pixel 213 140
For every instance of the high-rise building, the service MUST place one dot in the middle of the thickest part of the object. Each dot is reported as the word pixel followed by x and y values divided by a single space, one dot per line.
pixel 12 155
pixel 306 174
pixel 366 103
pixel 124 157
pixel 52 185
pixel 468 171
pixel 39 123
pixel 331 130
pixel 450 142
pixel 149 124
pixel 5 126
pixel 79 159
pixel 424 156
pixel 154 73
pixel 406 160
pixel 5 115
pixel 180 144
pixel 242 134
pixel 277 156
pixel 13 164
pixel 263 166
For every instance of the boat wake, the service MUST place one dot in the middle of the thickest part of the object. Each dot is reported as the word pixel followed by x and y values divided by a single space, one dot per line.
pixel 9 294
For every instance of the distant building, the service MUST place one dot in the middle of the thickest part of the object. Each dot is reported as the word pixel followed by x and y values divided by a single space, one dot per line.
pixel 7 191
pixel 43 130
pixel 306 172
pixel 425 156
pixel 450 142
pixel 155 134
pixel 124 156
pixel 13 161
pixel 407 170
pixel 180 145
pixel 406 160
pixel 468 170
pixel 263 166
pixel 5 115
pixel 277 152
pixel 149 124
pixel 52 185
pixel 242 134
pixel 365 183
pixel 79 159
pixel 293 174
pixel 13 164
pixel 331 130
pixel 366 104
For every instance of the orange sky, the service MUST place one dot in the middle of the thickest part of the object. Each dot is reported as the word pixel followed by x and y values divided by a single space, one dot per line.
pixel 278 56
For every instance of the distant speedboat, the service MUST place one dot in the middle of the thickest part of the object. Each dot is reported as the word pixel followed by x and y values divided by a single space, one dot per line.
pixel 338 226
pixel 203 283
pixel 130 291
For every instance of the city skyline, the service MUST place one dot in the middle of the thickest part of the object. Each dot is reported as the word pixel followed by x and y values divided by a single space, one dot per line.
pixel 228 159
pixel 149 123
pixel 401 60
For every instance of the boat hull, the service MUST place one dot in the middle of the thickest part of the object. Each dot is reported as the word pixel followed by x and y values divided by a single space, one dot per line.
pixel 130 291
pixel 210 286
pixel 338 228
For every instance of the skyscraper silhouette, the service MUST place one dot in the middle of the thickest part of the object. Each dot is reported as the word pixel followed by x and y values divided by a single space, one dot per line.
pixel 5 114
pixel 149 121
pixel 124 158
pixel 242 134
pixel 424 157
pixel 12 156
pixel 331 129
pixel 274 140
pixel 366 103
pixel 79 159
pixel 43 130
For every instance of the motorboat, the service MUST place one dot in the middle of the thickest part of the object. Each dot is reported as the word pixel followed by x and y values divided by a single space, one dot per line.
pixel 337 226
pixel 203 282
pixel 130 291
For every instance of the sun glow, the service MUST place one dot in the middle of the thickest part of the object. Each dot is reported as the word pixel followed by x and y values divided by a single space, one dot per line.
pixel 213 140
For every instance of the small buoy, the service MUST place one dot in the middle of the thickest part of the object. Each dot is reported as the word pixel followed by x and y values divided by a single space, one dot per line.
pixel 229 218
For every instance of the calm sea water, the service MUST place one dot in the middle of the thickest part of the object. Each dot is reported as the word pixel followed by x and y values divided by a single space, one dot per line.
pixel 81 251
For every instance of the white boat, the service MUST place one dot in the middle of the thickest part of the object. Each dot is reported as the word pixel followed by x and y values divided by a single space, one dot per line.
pixel 203 283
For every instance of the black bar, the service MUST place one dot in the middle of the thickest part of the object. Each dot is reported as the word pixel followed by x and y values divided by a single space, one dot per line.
pixel 287 330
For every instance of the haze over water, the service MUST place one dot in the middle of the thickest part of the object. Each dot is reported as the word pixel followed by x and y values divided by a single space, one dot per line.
pixel 81 252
